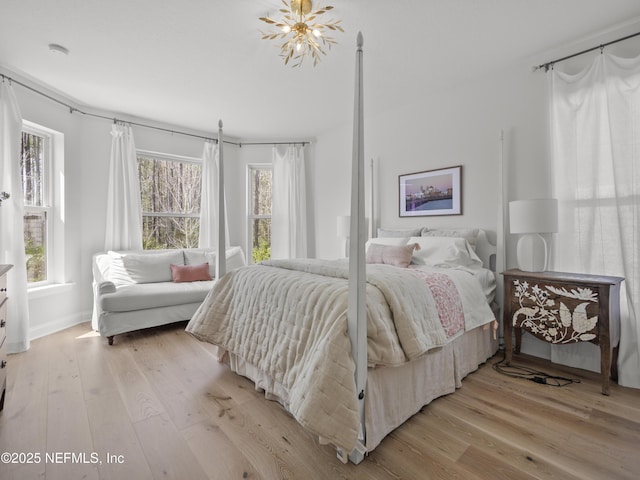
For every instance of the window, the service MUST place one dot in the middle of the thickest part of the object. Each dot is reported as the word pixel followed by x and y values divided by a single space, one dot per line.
pixel 170 192
pixel 259 216
pixel 35 167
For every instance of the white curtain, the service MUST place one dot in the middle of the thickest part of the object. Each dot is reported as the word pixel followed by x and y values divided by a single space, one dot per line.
pixel 208 237
pixel 12 220
pixel 124 209
pixel 289 208
pixel 595 148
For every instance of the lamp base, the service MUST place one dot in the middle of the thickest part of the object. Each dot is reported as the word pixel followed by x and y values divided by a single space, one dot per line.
pixel 532 253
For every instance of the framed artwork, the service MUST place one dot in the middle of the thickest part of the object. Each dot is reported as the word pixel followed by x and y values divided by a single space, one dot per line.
pixel 434 192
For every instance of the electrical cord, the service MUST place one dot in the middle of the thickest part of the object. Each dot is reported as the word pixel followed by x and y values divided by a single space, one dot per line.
pixel 527 373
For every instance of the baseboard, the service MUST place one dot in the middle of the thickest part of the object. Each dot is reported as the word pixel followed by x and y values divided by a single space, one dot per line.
pixel 59 324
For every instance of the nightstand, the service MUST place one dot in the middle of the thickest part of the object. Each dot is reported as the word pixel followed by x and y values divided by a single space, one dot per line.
pixel 564 308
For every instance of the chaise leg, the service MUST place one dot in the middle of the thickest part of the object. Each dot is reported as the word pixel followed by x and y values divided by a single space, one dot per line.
pixel 110 339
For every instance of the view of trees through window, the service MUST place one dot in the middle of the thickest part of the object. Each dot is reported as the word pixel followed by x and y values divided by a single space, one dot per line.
pixel 170 192
pixel 260 212
pixel 33 163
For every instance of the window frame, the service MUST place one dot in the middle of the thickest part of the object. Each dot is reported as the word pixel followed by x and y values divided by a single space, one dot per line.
pixel 251 217
pixel 47 206
pixel 171 158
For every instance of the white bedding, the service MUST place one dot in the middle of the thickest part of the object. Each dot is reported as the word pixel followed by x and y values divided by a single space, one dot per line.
pixel 288 319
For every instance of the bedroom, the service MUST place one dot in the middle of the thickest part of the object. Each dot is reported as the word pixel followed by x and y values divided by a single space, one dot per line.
pixel 404 134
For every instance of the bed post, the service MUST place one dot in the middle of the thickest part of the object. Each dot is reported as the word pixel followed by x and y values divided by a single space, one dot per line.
pixel 221 256
pixel 500 236
pixel 357 320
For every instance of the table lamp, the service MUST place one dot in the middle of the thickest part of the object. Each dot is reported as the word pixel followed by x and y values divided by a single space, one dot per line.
pixel 531 218
pixel 343 228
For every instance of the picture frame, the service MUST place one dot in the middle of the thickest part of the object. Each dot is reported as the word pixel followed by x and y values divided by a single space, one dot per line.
pixel 432 192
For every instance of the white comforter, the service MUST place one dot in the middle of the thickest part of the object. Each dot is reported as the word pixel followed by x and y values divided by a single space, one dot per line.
pixel 289 319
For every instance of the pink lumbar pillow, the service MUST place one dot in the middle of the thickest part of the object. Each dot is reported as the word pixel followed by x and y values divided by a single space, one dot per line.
pixel 190 273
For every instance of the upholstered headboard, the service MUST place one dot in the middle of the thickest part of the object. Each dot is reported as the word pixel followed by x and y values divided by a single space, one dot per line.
pixel 486 250
pixel 477 237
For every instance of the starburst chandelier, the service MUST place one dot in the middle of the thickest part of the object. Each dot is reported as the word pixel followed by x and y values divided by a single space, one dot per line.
pixel 303 34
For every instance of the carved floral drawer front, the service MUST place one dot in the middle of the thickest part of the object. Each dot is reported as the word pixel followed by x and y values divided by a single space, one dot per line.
pixel 556 313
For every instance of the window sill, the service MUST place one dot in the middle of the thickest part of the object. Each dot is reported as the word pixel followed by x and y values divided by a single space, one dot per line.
pixel 48 290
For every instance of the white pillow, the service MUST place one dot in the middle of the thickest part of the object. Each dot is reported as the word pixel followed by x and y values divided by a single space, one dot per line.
pixel 469 234
pixel 396 232
pixel 445 252
pixel 128 268
pixel 390 241
pixel 234 256
pixel 198 256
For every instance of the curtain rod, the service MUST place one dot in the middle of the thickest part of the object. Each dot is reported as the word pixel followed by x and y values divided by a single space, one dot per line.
pixel 73 109
pixel 547 65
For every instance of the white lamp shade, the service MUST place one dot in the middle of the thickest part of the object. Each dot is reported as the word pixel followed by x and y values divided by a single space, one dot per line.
pixel 533 216
pixel 343 226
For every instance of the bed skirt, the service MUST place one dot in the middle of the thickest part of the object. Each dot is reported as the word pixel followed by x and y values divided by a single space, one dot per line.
pixel 394 394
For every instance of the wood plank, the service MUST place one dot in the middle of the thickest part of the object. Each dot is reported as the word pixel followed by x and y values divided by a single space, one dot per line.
pixel 218 456
pixel 115 439
pixel 68 434
pixel 168 454
pixel 139 398
pixel 23 422
pixel 447 427
pixel 542 436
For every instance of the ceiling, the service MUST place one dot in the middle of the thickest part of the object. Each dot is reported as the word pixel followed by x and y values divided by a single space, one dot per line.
pixel 191 62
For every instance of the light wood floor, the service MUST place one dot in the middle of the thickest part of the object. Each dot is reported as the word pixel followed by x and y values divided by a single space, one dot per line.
pixel 158 405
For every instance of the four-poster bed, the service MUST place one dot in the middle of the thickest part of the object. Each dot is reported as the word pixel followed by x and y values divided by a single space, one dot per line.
pixel 352 351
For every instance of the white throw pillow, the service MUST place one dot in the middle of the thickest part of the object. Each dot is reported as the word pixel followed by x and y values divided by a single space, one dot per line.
pixel 127 268
pixel 469 234
pixel 397 232
pixel 234 256
pixel 445 252
pixel 389 241
pixel 200 256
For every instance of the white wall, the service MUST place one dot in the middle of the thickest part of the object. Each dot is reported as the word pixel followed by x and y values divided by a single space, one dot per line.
pixel 457 126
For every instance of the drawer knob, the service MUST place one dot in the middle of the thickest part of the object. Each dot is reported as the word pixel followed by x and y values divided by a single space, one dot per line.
pixel 3 289
pixel 2 323
pixel 3 364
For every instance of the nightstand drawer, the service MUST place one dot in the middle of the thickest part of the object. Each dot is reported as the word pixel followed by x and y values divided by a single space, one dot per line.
pixel 556 312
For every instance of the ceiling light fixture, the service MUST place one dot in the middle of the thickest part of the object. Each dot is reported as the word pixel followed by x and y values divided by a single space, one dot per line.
pixel 58 49
pixel 303 36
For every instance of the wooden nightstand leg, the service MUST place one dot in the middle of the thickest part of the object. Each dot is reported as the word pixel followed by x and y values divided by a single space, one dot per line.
pixel 508 339
pixel 614 364
pixel 605 364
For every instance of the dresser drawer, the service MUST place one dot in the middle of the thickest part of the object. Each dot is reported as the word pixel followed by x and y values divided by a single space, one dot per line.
pixel 3 371
pixel 3 320
pixel 3 288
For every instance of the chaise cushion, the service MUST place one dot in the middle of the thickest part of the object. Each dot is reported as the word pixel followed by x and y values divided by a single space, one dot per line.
pixel 153 295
